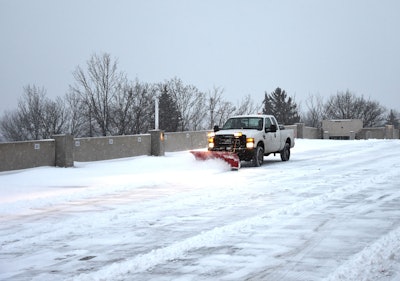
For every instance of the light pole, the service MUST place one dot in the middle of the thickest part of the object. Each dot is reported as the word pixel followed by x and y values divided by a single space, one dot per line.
pixel 157 136
pixel 156 122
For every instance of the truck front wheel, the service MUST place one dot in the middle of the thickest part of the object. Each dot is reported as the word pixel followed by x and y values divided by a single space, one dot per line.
pixel 258 157
pixel 285 153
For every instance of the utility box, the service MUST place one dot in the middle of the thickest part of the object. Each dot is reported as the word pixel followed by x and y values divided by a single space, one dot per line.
pixel 344 129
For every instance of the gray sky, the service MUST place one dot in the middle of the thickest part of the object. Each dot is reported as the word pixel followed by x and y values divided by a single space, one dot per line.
pixel 246 47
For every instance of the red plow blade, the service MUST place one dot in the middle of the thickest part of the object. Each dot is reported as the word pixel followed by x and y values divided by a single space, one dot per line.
pixel 229 157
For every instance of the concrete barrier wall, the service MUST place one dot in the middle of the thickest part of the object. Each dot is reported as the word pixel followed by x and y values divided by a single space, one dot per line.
pixel 27 154
pixel 387 132
pixel 292 127
pixel 105 148
pixel 391 132
pixel 21 155
pixel 311 133
pixel 65 150
pixel 371 133
pixel 185 140
pixel 303 132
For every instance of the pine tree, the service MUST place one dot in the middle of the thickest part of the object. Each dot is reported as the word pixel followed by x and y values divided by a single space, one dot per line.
pixel 170 118
pixel 281 106
pixel 393 119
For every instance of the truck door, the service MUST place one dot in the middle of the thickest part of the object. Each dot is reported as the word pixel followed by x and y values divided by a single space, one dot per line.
pixel 272 143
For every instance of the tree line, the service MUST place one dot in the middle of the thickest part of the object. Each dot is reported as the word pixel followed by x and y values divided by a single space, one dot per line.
pixel 103 101
pixel 347 105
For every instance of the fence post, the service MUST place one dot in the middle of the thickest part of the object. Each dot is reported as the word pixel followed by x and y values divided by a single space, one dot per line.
pixel 64 150
pixel 157 143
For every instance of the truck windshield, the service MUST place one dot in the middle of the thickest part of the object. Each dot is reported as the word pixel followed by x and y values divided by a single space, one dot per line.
pixel 255 123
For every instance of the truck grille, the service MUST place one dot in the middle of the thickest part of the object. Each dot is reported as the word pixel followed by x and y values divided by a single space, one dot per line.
pixel 225 140
pixel 229 142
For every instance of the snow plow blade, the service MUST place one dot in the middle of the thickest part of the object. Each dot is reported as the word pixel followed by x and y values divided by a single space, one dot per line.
pixel 229 157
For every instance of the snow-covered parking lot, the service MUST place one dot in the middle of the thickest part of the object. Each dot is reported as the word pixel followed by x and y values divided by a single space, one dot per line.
pixel 331 213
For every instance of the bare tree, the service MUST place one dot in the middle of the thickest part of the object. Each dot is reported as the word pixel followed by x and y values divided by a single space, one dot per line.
pixel 11 127
pixel 219 110
pixel 31 111
pixel 214 101
pixel 36 117
pixel 142 106
pixel 315 113
pixel 225 110
pixel 121 116
pixel 348 106
pixel 343 106
pixel 190 102
pixel 54 118
pixel 198 113
pixel 247 106
pixel 97 87
pixel 78 121
pixel 373 114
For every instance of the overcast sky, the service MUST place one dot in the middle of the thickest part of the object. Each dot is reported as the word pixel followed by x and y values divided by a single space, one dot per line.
pixel 306 47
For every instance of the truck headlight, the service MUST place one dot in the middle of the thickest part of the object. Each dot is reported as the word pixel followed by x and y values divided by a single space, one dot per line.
pixel 211 142
pixel 250 143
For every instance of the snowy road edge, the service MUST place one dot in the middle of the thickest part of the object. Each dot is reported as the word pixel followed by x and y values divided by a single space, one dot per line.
pixel 375 260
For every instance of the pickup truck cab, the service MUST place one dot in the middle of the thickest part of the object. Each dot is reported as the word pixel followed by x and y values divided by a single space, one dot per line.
pixel 252 137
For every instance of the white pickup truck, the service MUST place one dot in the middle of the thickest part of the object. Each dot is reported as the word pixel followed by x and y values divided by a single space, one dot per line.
pixel 251 137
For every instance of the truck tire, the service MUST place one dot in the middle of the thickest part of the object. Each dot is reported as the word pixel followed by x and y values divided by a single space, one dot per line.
pixel 285 153
pixel 258 157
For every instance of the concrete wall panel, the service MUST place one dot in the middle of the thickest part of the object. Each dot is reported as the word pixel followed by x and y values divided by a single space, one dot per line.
pixel 185 140
pixel 312 133
pixel 27 154
pixel 105 148
pixel 294 128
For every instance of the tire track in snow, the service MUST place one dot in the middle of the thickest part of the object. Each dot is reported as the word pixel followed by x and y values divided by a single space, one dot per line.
pixel 143 262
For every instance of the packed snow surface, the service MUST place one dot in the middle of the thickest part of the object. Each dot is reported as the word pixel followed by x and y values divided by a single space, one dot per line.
pixel 331 213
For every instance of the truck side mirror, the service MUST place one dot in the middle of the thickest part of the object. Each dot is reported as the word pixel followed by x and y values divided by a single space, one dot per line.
pixel 272 129
pixel 216 128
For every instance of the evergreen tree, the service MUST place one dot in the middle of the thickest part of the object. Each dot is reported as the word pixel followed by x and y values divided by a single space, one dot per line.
pixel 281 106
pixel 169 116
pixel 393 119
